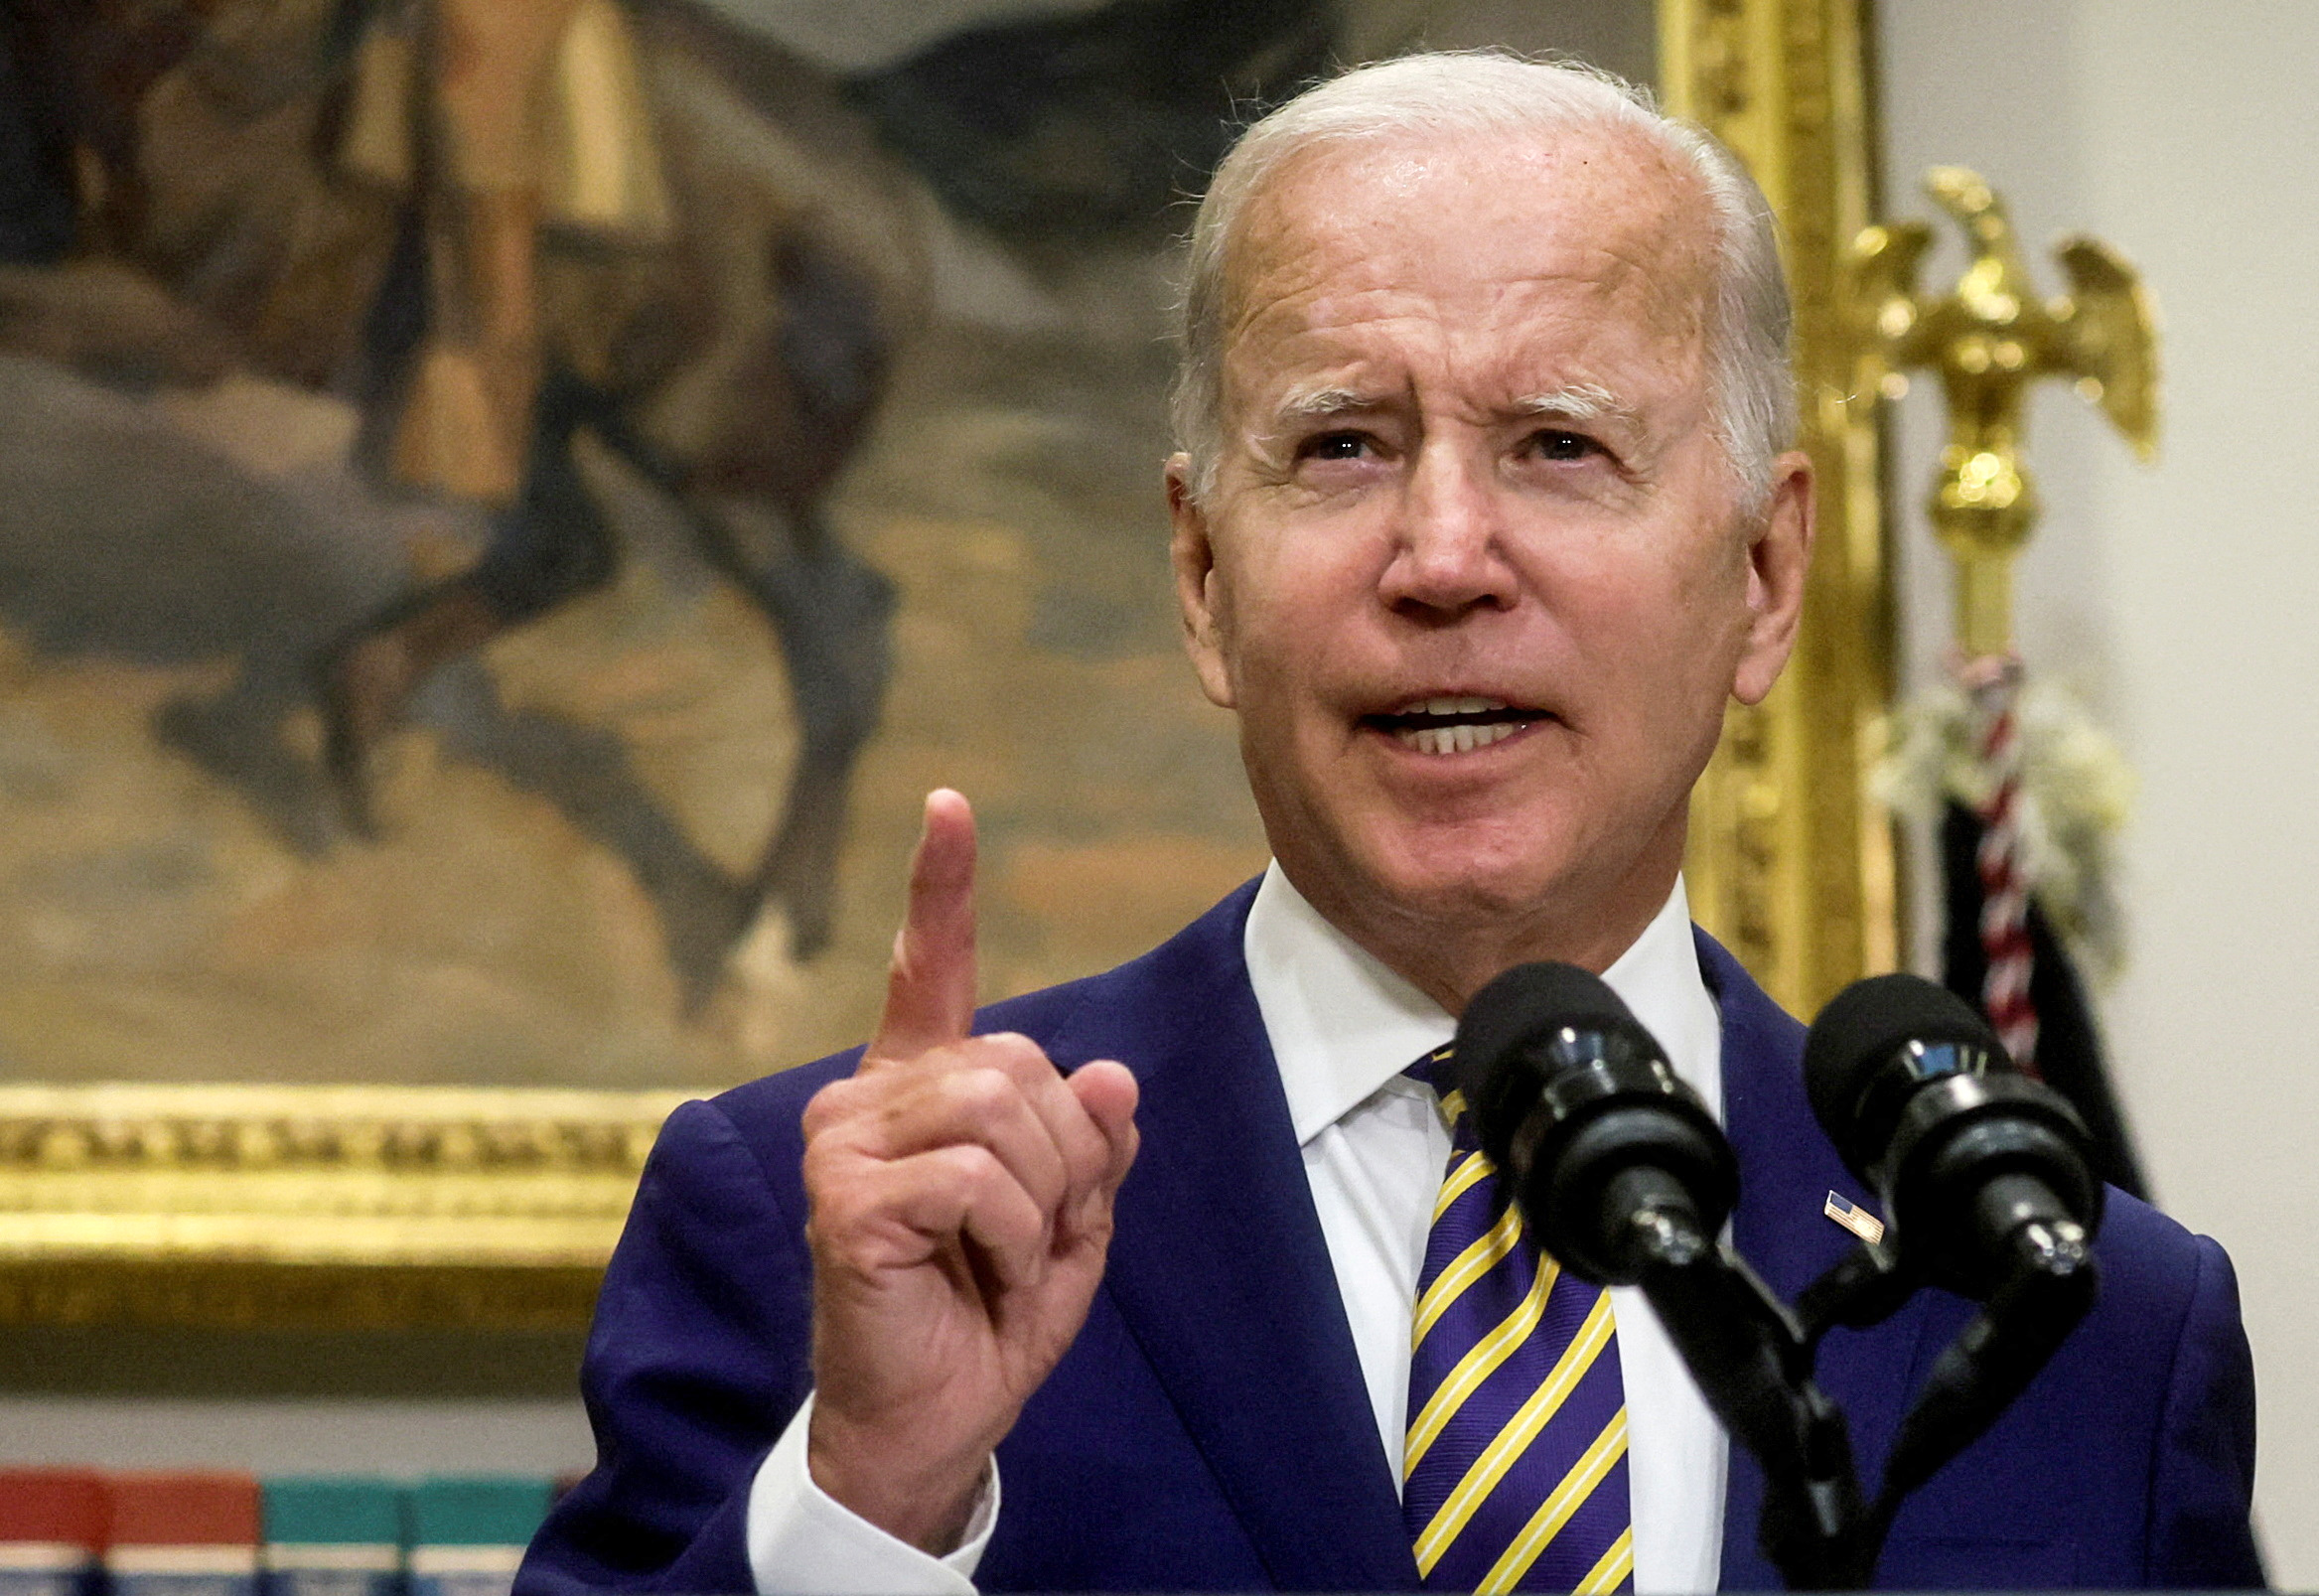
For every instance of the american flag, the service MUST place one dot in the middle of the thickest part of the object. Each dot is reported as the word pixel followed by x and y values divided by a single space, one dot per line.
pixel 1853 1218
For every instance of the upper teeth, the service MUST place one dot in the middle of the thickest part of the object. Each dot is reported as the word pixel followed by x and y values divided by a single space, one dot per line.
pixel 1457 707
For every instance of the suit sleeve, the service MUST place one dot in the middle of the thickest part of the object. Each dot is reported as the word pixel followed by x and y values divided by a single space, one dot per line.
pixel 698 1356
pixel 2203 1484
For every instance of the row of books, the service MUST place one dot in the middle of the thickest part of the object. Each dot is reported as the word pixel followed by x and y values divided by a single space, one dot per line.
pixel 80 1533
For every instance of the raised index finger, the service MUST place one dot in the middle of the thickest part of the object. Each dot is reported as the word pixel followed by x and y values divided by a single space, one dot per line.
pixel 930 988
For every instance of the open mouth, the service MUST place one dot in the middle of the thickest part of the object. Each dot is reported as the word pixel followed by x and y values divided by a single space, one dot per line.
pixel 1455 725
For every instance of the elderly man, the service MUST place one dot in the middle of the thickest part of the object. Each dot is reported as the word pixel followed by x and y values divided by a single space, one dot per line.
pixel 1154 1280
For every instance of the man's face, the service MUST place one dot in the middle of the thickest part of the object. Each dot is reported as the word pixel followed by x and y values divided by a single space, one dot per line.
pixel 1475 572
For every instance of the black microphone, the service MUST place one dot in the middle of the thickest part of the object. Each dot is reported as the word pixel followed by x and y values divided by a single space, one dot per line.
pixel 1626 1179
pixel 1615 1161
pixel 1981 1170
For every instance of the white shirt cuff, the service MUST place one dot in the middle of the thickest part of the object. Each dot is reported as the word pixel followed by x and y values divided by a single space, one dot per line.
pixel 804 1542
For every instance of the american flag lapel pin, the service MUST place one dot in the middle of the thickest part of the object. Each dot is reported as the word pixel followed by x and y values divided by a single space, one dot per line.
pixel 1853 1218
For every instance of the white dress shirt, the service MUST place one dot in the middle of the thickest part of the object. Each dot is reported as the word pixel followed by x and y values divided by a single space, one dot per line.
pixel 1343 1028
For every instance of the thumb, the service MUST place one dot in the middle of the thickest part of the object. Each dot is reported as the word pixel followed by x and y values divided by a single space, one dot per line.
pixel 930 987
pixel 1108 1093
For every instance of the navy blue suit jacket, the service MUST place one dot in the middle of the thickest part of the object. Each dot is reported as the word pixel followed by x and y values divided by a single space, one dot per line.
pixel 1209 1429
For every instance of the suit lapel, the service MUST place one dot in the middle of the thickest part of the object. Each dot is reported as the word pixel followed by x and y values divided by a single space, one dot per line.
pixel 1220 1270
pixel 1787 1169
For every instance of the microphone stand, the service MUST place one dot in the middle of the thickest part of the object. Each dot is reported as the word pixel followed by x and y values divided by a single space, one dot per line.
pixel 1623 1174
pixel 1753 1357
pixel 2051 1288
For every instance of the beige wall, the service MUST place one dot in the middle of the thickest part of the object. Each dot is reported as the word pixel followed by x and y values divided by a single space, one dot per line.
pixel 2177 598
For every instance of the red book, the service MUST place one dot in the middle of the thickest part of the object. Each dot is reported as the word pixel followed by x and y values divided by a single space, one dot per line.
pixel 189 1533
pixel 63 1506
pixel 186 1509
pixel 52 1530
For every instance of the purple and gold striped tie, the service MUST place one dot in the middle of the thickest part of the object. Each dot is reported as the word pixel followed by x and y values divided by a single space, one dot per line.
pixel 1515 1468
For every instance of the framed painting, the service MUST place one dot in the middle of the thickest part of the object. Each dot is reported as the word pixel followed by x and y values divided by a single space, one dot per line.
pixel 482 596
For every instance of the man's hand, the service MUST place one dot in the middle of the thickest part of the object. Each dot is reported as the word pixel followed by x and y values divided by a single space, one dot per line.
pixel 961 1207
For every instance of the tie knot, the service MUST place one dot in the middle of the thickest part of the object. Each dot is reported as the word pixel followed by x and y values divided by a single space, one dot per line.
pixel 1438 1070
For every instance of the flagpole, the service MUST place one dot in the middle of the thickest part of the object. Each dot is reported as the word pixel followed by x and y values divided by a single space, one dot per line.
pixel 1984 743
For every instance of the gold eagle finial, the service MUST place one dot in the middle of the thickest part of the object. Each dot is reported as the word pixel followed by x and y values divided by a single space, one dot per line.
pixel 1989 340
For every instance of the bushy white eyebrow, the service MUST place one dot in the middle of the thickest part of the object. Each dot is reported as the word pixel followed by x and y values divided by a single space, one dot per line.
pixel 1304 404
pixel 1581 402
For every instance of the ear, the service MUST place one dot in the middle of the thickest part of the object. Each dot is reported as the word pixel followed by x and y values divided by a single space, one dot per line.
pixel 1199 597
pixel 1779 559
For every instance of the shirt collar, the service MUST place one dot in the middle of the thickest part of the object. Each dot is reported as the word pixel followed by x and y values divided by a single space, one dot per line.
pixel 1342 1025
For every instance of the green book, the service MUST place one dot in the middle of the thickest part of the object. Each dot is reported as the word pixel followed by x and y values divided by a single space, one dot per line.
pixel 329 1536
pixel 467 1533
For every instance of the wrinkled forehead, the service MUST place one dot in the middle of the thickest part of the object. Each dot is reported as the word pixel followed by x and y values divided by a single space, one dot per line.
pixel 1604 214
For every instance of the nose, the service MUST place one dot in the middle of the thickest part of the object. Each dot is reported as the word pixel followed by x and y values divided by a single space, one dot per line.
pixel 1448 553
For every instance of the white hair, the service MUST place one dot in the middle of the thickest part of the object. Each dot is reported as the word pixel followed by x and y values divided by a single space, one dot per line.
pixel 1453 93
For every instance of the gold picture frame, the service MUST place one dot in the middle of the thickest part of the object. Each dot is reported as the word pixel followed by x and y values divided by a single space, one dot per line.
pixel 1790 861
pixel 377 1207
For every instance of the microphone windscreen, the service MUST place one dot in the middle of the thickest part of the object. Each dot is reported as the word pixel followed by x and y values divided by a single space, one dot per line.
pixel 1861 1028
pixel 1528 999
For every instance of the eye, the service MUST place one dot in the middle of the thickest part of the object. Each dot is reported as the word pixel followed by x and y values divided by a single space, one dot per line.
pixel 1553 443
pixel 1334 446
